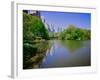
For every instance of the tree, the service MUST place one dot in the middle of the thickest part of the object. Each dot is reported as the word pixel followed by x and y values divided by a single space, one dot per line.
pixel 74 33
pixel 33 28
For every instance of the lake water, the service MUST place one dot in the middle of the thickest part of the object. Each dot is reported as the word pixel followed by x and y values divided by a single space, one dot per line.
pixel 59 53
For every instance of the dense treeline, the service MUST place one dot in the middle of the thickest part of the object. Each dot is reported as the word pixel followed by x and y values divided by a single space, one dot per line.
pixel 33 28
pixel 74 33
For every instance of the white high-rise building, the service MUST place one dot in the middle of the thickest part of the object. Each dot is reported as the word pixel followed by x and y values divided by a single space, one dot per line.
pixel 45 23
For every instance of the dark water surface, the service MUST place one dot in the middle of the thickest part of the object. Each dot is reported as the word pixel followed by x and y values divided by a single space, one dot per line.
pixel 58 53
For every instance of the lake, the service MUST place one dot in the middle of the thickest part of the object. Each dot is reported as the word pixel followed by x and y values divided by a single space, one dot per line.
pixel 58 53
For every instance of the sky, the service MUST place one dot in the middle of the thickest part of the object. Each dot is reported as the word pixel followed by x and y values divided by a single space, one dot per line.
pixel 64 19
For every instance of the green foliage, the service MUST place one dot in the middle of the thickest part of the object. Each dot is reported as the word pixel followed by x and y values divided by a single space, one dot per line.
pixel 33 28
pixel 34 32
pixel 74 33
pixel 33 54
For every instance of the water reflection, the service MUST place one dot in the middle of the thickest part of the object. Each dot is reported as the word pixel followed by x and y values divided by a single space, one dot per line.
pixel 72 45
pixel 34 54
pixel 56 53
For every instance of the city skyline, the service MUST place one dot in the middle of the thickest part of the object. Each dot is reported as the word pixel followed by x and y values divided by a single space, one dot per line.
pixel 61 20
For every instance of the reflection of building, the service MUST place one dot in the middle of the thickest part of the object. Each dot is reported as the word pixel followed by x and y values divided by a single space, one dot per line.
pixel 32 12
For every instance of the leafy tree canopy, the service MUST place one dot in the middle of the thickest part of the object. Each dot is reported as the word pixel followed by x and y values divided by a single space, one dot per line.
pixel 33 28
pixel 74 33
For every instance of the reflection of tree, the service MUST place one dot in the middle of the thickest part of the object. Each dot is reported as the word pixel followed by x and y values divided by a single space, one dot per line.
pixel 34 55
pixel 72 45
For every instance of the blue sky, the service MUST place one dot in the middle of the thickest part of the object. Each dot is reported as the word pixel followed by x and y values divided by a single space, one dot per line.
pixel 64 19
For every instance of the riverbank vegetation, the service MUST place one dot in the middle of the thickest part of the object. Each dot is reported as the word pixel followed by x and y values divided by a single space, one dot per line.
pixel 74 33
pixel 33 29
pixel 34 32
